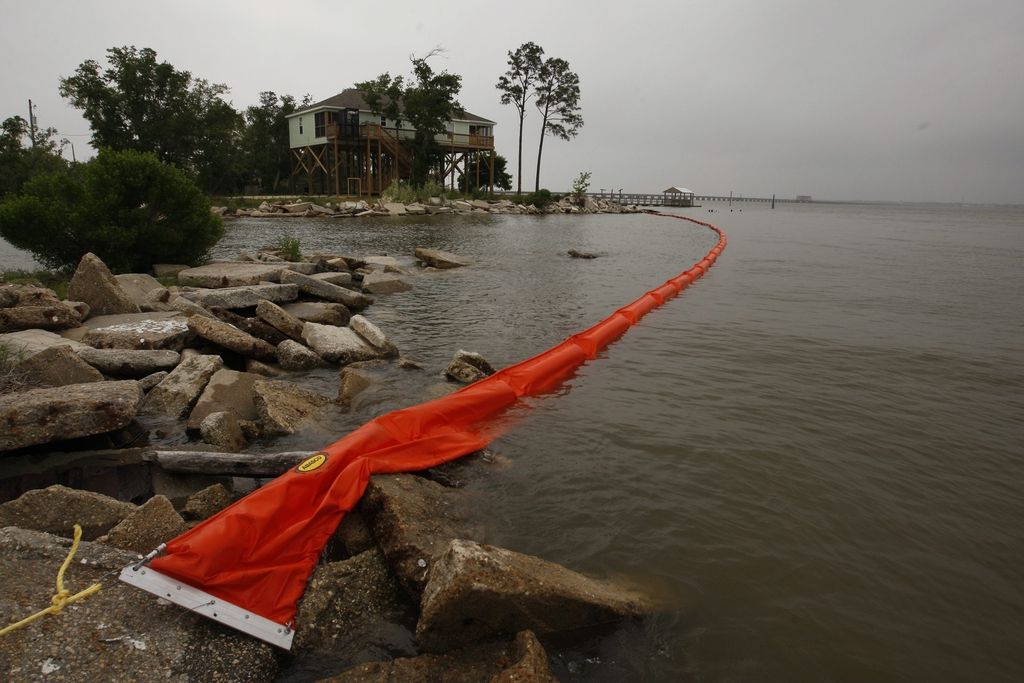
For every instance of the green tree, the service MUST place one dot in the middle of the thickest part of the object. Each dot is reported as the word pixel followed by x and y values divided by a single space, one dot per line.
pixel 558 101
pixel 138 103
pixel 502 179
pixel 127 207
pixel 427 100
pixel 265 141
pixel 20 161
pixel 516 86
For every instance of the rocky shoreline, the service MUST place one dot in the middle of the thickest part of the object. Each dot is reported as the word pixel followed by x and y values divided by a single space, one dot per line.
pixel 132 409
pixel 433 206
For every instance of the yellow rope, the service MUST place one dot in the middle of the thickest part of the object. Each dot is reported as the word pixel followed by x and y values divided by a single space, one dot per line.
pixel 63 596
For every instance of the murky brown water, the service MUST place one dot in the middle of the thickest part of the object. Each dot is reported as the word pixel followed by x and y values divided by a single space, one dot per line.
pixel 816 453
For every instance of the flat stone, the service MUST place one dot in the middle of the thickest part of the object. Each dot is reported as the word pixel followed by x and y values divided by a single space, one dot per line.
pixel 138 286
pixel 57 509
pixel 151 380
pixel 319 312
pixel 51 414
pixel 373 336
pixel 230 274
pixel 479 591
pixel 325 290
pixel 232 338
pixel 264 369
pixel 348 604
pixel 206 503
pixel 58 366
pixel 282 406
pixel 94 284
pixel 468 367
pixel 395 208
pixel 521 660
pixel 117 634
pixel 414 520
pixel 227 390
pixel 129 362
pixel 179 390
pixel 53 317
pixel 187 306
pixel 243 297
pixel 27 343
pixel 146 527
pixel 337 344
pixel 222 430
pixel 380 282
pixel 295 357
pixel 280 319
pixel 440 259
pixel 156 330
pixel 335 278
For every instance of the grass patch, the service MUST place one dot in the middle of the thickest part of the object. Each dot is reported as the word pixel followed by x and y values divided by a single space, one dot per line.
pixel 289 248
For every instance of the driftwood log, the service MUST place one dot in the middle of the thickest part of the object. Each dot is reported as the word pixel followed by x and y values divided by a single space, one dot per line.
pixel 229 464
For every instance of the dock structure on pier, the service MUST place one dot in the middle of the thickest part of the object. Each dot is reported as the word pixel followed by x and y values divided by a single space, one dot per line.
pixel 667 199
pixel 341 145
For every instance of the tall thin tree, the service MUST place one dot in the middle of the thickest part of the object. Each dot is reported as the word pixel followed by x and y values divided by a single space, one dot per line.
pixel 516 88
pixel 558 101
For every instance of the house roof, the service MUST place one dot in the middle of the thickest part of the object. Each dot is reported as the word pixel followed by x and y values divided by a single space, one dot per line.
pixel 677 190
pixel 350 98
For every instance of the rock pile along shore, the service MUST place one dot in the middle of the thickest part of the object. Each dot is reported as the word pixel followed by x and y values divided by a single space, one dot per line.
pixel 208 367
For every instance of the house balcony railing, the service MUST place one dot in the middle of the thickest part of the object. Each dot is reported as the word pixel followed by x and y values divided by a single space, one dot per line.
pixel 374 131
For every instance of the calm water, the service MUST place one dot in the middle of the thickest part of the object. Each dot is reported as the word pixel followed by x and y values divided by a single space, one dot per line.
pixel 815 455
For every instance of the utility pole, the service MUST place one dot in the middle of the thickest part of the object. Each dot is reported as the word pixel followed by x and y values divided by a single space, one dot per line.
pixel 32 123
pixel 773 200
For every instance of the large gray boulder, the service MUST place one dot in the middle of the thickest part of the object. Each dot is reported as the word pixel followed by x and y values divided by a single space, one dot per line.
pixel 282 406
pixel 138 286
pixel 129 362
pixel 380 282
pixel 319 312
pixel 520 660
pixel 440 259
pixel 468 367
pixel 348 604
pixel 57 509
pixel 280 319
pixel 414 520
pixel 325 290
pixel 221 429
pixel 232 338
pixel 51 414
pixel 117 634
pixel 152 330
pixel 52 317
pixel 337 344
pixel 177 392
pixel 295 357
pixel 252 326
pixel 147 526
pixel 27 343
pixel 230 274
pixel 243 297
pixel 373 336
pixel 58 366
pixel 94 284
pixel 478 591
pixel 227 391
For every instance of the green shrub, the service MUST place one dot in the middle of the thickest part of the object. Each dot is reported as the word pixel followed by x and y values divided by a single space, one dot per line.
pixel 540 198
pixel 289 248
pixel 126 207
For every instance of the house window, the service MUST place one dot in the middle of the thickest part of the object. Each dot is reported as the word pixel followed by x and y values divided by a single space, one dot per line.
pixel 383 122
pixel 321 119
pixel 300 125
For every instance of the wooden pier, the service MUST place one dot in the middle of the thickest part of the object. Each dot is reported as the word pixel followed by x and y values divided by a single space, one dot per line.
pixel 644 199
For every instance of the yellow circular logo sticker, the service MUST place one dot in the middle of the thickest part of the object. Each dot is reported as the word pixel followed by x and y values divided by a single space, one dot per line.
pixel 313 462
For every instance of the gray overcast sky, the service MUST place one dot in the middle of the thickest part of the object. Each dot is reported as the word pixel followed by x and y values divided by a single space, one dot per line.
pixel 910 100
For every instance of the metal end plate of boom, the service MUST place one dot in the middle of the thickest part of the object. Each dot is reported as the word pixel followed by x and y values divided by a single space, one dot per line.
pixel 204 604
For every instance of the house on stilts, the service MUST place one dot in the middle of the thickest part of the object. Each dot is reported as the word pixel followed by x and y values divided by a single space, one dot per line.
pixel 341 146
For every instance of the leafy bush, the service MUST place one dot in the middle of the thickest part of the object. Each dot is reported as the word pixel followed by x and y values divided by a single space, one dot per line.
pixel 540 198
pixel 126 207
pixel 289 248
pixel 580 186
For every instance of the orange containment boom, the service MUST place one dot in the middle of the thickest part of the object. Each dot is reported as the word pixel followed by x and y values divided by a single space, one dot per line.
pixel 248 565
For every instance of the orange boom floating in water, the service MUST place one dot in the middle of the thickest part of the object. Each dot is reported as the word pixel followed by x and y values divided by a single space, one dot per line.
pixel 248 565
